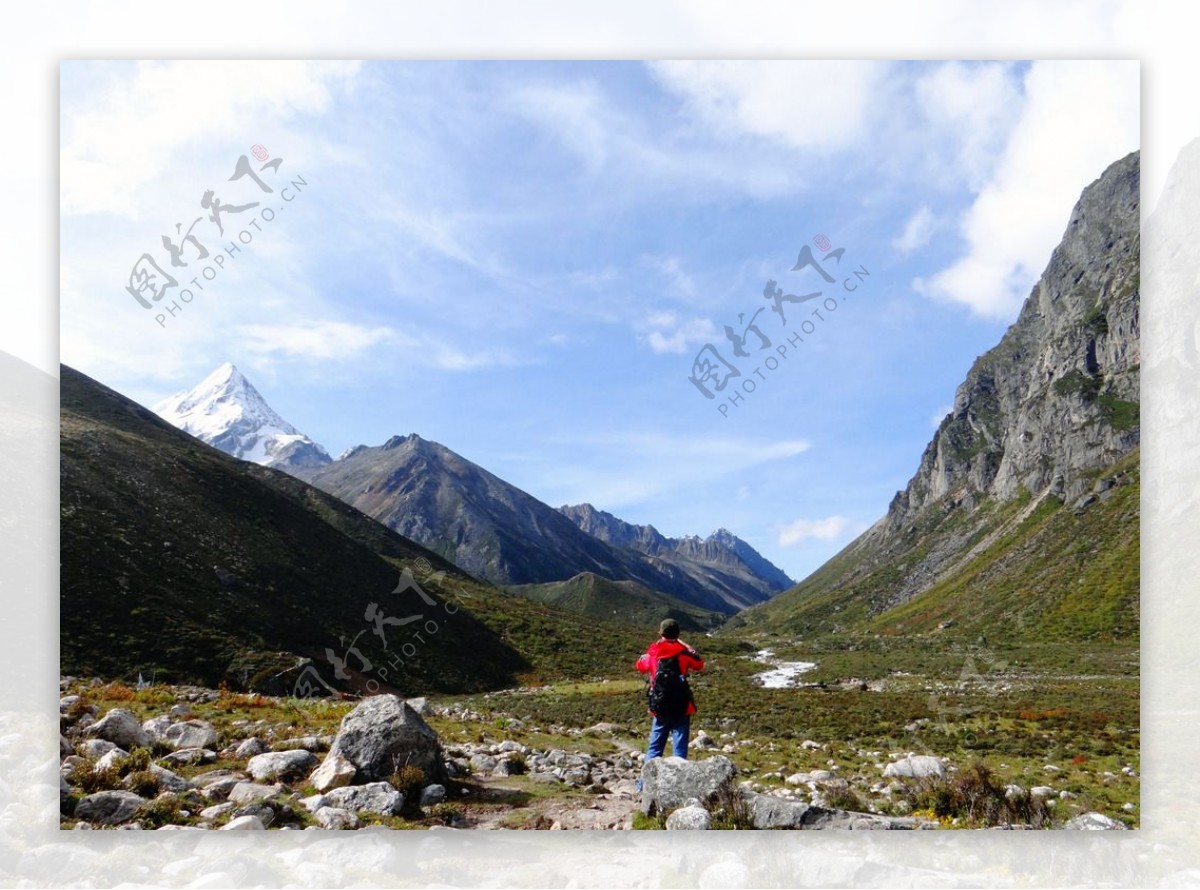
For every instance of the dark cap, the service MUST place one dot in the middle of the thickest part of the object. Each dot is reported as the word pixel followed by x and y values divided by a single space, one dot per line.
pixel 669 629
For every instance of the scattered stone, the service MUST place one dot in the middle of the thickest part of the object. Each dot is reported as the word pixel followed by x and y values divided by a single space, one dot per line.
pixel 1095 822
pixel 483 763
pixel 169 781
pixel 265 814
pixel 191 734
pixel 810 745
pixel 382 733
pixel 305 742
pixel 337 819
pixel 109 807
pixel 374 797
pixel 94 749
pixel 251 747
pixel 704 741
pixel 281 764
pixel 181 711
pixel 244 823
pixel 690 818
pixel 917 766
pixel 668 782
pixel 250 792
pixel 217 810
pixel 156 727
pixel 190 755
pixel 334 772
pixel 120 727
pixel 432 794
pixel 112 760
pixel 1041 791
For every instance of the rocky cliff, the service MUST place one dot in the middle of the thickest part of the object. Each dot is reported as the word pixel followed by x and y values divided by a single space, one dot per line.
pixel 1029 486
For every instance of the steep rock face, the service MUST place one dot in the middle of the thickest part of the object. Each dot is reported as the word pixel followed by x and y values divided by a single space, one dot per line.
pixel 997 523
pixel 1058 396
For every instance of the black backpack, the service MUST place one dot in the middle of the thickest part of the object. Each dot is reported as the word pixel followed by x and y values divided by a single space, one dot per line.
pixel 669 694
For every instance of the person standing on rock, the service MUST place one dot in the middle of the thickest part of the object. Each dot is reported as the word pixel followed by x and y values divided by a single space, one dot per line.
pixel 668 661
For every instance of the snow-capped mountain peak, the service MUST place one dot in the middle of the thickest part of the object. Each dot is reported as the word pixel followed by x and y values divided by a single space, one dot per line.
pixel 227 412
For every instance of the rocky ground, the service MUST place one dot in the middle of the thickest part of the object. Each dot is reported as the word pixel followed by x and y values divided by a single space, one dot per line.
pixel 167 768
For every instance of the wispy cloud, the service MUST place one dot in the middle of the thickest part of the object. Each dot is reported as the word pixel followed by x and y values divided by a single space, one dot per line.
pixel 132 132
pixel 831 528
pixel 1020 214
pixel 917 231
pixel 668 332
pixel 804 104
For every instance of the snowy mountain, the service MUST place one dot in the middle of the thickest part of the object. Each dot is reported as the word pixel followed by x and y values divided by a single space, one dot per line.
pixel 227 412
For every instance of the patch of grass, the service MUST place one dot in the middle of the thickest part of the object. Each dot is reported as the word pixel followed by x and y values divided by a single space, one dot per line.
pixel 976 798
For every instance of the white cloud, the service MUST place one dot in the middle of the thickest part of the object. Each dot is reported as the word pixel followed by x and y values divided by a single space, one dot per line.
pixel 829 529
pixel 804 104
pixel 341 341
pixel 917 231
pixel 1078 118
pixel 667 332
pixel 972 107
pixel 129 134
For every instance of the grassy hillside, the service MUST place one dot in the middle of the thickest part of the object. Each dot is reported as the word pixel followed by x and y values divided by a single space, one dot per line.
pixel 625 602
pixel 183 563
pixel 1030 570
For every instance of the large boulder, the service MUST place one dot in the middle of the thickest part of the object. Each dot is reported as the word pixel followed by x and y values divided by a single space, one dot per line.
pixel 916 766
pixel 383 734
pixel 281 765
pixel 670 782
pixel 191 734
pixel 375 797
pixel 768 812
pixel 109 807
pixel 120 727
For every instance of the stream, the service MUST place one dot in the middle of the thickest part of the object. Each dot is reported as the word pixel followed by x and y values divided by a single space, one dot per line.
pixel 783 673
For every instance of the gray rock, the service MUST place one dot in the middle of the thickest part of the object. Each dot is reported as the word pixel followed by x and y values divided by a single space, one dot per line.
pixel 768 812
pixel 420 705
pixel 669 782
pixel 181 711
pixel 508 767
pixel 248 748
pixel 281 765
pixel 917 766
pixel 244 823
pixel 185 756
pixel 156 727
pixel 374 797
pixel 219 789
pixel 217 810
pixel 306 742
pixel 112 759
pixel 120 727
pixel 249 792
pixel 191 734
pixel 689 818
pixel 169 781
pixel 1041 791
pixel 66 749
pixel 335 772
pixel 382 734
pixel 96 748
pixel 337 819
pixel 1095 822
pixel 483 763
pixel 432 794
pixel 262 811
pixel 109 807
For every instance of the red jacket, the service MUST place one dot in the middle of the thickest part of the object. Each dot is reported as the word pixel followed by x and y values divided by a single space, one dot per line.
pixel 689 660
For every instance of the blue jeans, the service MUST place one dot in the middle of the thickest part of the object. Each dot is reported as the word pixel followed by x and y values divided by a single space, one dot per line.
pixel 678 729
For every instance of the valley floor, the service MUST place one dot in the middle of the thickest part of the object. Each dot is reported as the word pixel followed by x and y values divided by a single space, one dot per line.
pixel 1024 737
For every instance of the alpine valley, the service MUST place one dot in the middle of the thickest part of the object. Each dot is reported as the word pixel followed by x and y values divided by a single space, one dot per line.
pixel 970 660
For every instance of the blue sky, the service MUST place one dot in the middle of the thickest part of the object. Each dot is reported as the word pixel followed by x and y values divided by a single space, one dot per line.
pixel 522 260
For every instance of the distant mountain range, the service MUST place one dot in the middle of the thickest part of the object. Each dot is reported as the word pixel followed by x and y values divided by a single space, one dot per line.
pixel 1022 520
pixel 471 517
